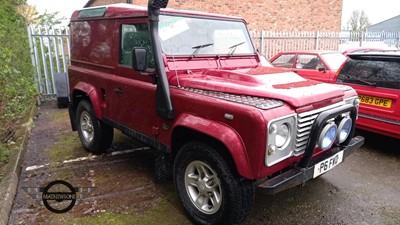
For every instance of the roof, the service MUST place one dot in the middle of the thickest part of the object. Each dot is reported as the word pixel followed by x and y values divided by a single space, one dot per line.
pixel 375 54
pixel 121 10
pixel 392 24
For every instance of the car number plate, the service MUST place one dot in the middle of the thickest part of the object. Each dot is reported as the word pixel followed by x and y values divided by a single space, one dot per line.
pixel 327 164
pixel 375 101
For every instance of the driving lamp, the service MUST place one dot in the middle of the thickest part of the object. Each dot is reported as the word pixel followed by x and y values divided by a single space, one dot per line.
pixel 344 129
pixel 327 136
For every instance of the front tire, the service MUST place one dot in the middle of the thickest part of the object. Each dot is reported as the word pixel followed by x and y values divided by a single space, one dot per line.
pixel 95 136
pixel 208 189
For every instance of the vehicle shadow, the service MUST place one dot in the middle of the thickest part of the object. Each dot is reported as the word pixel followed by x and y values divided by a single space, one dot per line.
pixel 379 143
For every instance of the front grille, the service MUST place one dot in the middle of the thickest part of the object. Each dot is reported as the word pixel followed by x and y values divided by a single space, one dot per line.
pixel 304 123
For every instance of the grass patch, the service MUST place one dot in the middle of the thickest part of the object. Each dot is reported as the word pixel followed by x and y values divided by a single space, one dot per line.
pixel 60 116
pixel 68 146
pixel 4 153
pixel 165 213
pixel 119 137
pixel 391 215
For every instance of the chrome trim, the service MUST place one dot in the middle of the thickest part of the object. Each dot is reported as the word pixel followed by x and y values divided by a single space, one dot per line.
pixel 380 119
pixel 285 151
pixel 304 123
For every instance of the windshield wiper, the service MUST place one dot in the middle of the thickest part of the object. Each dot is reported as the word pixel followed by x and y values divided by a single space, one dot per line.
pixel 233 48
pixel 362 81
pixel 198 47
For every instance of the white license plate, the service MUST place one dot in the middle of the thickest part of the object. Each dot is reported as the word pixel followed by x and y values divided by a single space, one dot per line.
pixel 327 164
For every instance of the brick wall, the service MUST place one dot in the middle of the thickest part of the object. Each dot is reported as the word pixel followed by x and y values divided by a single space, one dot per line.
pixel 276 15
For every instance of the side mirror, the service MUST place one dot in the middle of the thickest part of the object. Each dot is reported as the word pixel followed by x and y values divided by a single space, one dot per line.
pixel 322 69
pixel 139 59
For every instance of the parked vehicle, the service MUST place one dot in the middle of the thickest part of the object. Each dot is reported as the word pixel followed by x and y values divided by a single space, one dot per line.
pixel 376 78
pixel 191 86
pixel 315 65
pixel 361 50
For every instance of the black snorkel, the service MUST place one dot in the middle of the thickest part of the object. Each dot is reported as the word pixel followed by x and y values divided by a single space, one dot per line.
pixel 163 96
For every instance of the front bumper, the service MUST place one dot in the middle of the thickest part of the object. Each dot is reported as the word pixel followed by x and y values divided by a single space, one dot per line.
pixel 299 175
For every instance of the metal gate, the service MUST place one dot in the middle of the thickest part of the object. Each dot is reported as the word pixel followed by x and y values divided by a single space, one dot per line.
pixel 50 54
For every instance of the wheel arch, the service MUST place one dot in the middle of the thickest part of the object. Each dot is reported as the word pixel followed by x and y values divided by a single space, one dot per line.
pixel 229 143
pixel 88 92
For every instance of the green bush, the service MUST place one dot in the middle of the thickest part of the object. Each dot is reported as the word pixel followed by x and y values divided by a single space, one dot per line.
pixel 16 73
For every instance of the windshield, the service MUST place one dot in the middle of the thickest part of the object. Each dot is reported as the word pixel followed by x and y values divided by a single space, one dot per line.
pixel 334 59
pixel 196 36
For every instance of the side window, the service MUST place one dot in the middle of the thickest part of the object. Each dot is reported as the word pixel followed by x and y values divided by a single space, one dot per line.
pixel 135 35
pixel 310 62
pixel 383 73
pixel 285 60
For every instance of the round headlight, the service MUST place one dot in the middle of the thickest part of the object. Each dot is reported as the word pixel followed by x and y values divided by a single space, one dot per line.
pixel 327 136
pixel 344 129
pixel 356 102
pixel 282 136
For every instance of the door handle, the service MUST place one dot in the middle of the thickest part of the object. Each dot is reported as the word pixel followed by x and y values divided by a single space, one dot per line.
pixel 118 91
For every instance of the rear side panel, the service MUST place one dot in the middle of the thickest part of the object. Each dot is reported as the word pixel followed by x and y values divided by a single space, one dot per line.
pixel 377 82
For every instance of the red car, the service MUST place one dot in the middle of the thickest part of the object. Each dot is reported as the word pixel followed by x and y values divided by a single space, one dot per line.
pixel 376 78
pixel 315 65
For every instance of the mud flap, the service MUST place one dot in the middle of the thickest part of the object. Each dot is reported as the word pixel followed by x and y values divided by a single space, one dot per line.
pixel 163 168
pixel 62 92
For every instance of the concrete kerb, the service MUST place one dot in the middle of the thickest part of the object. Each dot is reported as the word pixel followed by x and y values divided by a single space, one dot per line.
pixel 9 184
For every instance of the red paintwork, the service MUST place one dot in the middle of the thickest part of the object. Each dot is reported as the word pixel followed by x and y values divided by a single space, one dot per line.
pixel 244 136
pixel 392 113
pixel 129 11
pixel 222 133
pixel 262 82
pixel 327 76
pixel 91 91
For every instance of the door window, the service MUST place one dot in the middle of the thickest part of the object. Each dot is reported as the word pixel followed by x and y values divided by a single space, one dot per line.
pixel 310 62
pixel 285 60
pixel 135 35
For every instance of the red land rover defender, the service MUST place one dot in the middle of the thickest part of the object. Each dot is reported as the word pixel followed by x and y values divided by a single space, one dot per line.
pixel 191 86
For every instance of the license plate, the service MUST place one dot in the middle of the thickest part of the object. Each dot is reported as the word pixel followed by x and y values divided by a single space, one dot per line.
pixel 375 101
pixel 327 164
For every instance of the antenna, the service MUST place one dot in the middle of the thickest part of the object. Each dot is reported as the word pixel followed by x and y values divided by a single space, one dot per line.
pixel 173 60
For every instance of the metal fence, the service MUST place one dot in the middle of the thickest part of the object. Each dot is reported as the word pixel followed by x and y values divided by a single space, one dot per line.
pixel 50 47
pixel 269 43
pixel 50 54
